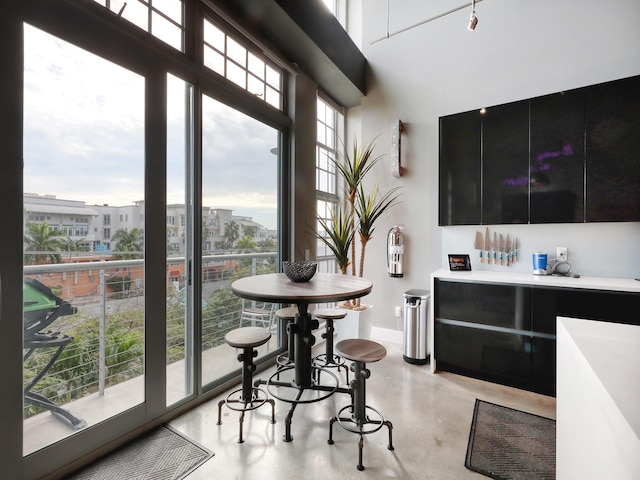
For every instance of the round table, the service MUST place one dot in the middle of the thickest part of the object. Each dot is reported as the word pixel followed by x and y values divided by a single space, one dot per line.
pixel 322 288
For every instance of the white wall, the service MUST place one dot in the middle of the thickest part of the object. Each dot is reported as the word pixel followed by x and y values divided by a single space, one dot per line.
pixel 519 50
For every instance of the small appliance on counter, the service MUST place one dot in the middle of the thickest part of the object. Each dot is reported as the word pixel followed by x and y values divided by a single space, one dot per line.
pixel 539 263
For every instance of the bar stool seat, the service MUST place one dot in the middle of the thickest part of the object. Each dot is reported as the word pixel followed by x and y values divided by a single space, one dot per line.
pixel 329 359
pixel 248 397
pixel 360 352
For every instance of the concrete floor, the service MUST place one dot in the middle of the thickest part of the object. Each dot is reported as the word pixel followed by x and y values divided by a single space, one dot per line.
pixel 431 416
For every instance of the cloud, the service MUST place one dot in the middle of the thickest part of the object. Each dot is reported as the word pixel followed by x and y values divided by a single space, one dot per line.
pixel 84 136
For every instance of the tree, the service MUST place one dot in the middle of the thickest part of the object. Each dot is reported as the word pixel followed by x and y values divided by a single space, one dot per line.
pixel 127 242
pixel 42 244
pixel 246 244
pixel 70 245
pixel 250 231
pixel 231 233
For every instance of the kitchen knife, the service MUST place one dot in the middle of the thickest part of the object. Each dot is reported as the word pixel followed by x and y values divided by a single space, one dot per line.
pixel 508 250
pixel 477 244
pixel 495 247
pixel 487 245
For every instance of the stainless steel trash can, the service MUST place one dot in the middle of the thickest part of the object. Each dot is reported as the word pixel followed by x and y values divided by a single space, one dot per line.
pixel 415 326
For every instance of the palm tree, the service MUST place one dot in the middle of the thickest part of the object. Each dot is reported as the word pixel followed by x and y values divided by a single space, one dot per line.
pixel 70 245
pixel 250 231
pixel 368 209
pixel 246 244
pixel 231 233
pixel 44 243
pixel 128 242
pixel 353 169
pixel 340 236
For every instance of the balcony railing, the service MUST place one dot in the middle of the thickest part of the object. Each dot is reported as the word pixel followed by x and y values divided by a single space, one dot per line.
pixel 108 327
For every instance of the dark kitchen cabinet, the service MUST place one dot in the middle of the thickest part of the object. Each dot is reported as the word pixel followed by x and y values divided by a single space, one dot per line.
pixel 613 151
pixel 485 331
pixel 505 164
pixel 557 158
pixel 506 333
pixel 460 170
pixel 573 156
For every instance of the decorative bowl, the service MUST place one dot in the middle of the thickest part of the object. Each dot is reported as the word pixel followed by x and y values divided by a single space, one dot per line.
pixel 299 271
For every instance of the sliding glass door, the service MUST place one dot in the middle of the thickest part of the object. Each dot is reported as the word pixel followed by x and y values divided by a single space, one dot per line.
pixel 239 235
pixel 84 239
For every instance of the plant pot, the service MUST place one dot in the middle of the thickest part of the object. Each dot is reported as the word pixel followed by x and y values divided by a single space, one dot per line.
pixel 357 324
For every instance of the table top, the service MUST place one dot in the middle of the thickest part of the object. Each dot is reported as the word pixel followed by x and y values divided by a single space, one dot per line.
pixel 323 287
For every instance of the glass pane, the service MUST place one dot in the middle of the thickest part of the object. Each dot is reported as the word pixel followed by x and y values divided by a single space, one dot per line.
pixel 214 60
pixel 236 74
pixel 236 52
pixel 214 36
pixel 274 98
pixel 256 66
pixel 255 86
pixel 171 8
pixel 179 294
pixel 84 239
pixel 273 77
pixel 240 207
pixel 136 13
pixel 166 31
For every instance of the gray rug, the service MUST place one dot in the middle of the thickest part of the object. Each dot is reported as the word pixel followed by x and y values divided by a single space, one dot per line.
pixel 509 444
pixel 163 454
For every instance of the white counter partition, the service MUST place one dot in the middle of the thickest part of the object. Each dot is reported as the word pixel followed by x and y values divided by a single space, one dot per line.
pixel 598 400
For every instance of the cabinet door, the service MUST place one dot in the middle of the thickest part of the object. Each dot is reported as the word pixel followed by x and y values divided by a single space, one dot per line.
pixel 486 354
pixel 503 306
pixel 459 176
pixel 505 164
pixel 557 158
pixel 613 151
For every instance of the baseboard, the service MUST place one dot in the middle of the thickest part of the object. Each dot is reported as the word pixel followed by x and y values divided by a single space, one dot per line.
pixel 386 335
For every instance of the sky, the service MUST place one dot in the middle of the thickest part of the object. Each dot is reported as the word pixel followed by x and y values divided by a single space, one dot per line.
pixel 84 136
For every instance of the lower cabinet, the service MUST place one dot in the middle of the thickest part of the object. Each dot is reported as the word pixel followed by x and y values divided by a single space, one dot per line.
pixel 506 333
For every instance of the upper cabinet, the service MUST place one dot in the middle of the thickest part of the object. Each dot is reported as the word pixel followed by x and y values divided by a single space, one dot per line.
pixel 505 164
pixel 568 157
pixel 461 173
pixel 557 158
pixel 613 151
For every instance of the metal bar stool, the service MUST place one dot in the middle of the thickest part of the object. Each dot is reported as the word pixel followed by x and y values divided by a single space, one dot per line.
pixel 286 316
pixel 360 352
pixel 329 359
pixel 250 397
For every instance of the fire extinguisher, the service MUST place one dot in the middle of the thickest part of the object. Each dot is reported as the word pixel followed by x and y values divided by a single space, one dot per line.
pixel 395 251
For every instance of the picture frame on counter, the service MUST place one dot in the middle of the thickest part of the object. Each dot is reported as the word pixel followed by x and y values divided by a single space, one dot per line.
pixel 459 262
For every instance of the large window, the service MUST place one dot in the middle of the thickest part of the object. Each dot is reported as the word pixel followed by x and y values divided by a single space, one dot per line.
pixel 330 124
pixel 150 183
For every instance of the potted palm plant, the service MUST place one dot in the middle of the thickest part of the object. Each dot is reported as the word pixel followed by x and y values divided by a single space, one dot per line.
pixel 356 218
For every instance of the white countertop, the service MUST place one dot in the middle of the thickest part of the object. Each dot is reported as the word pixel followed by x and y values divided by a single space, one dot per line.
pixel 515 278
pixel 598 387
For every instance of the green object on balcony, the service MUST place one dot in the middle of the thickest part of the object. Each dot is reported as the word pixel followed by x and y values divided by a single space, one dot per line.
pixel 36 301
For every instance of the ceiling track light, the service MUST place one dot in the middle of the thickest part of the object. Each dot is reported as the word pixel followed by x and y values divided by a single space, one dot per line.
pixel 473 20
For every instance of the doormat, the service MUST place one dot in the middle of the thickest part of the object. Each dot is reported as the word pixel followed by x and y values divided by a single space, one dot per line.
pixel 509 444
pixel 162 454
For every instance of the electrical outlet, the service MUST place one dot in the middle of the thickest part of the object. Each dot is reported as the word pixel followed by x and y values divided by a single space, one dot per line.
pixel 562 252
